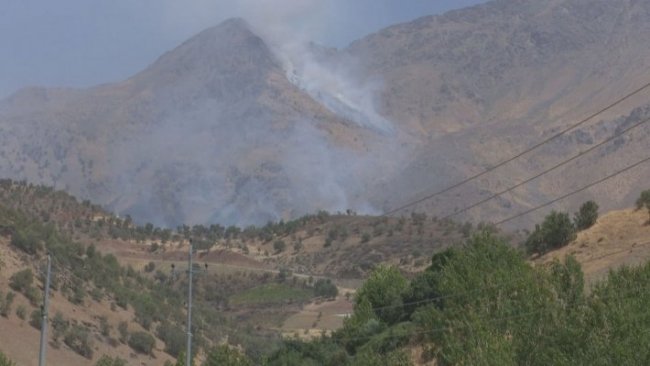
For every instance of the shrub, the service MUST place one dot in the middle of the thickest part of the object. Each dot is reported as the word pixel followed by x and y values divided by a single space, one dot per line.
pixel 35 319
pixel 587 215
pixel 33 295
pixel 224 355
pixel 173 336
pixel 149 267
pixel 21 312
pixel 5 361
pixel 77 338
pixel 110 361
pixel 123 329
pixel 279 246
pixel 5 304
pixel 59 326
pixel 26 241
pixel 22 280
pixel 643 200
pixel 104 327
pixel 325 288
pixel 142 342
pixel 556 231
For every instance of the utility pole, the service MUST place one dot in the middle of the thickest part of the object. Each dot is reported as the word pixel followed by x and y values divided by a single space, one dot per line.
pixel 41 358
pixel 190 270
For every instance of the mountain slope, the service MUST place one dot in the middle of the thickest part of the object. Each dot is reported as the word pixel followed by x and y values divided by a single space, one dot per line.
pixel 479 85
pixel 201 132
pixel 222 128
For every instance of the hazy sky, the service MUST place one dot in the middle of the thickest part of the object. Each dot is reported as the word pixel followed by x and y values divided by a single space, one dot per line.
pixel 83 42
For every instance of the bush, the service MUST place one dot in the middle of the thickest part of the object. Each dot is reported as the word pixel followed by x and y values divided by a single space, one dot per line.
pixel 142 342
pixel 5 361
pixel 110 361
pixel 149 267
pixel 587 215
pixel 33 295
pixel 224 355
pixel 325 288
pixel 21 312
pixel 5 304
pixel 35 319
pixel 59 326
pixel 21 281
pixel 123 329
pixel 643 200
pixel 26 241
pixel 77 338
pixel 173 336
pixel 556 231
pixel 279 246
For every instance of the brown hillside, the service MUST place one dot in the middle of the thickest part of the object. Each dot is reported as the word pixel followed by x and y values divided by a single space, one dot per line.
pixel 618 238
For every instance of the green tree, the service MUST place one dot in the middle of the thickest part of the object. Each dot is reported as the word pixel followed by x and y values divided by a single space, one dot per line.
pixel 224 355
pixel 556 231
pixel 587 215
pixel 384 291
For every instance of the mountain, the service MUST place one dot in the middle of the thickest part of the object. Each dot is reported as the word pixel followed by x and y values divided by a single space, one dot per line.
pixel 479 85
pixel 225 128
pixel 199 133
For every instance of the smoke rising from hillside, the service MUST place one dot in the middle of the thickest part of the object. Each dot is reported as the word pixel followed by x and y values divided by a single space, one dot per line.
pixel 262 173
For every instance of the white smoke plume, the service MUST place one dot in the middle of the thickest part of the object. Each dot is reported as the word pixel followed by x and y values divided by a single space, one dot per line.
pixel 320 175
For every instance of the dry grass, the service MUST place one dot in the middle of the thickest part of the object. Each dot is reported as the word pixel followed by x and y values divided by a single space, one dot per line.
pixel 618 238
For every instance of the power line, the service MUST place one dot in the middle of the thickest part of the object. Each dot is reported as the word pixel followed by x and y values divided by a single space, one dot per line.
pixel 580 154
pixel 522 153
pixel 573 192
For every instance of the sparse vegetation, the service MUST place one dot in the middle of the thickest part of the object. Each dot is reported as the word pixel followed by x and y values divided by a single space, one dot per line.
pixel 224 355
pixel 110 361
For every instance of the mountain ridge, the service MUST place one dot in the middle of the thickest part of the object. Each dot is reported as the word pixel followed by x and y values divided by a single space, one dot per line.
pixel 218 129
